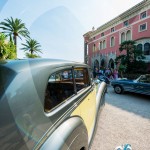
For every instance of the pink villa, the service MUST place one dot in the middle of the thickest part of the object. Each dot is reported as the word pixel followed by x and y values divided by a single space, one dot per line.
pixel 101 45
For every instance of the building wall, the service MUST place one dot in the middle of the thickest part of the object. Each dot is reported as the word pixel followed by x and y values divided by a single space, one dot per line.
pixel 110 52
pixel 144 34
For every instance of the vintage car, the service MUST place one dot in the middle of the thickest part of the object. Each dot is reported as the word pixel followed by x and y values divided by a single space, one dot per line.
pixel 48 104
pixel 140 85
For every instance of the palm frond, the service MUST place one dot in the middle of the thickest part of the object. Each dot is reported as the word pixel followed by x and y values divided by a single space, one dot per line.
pixel 31 46
pixel 14 27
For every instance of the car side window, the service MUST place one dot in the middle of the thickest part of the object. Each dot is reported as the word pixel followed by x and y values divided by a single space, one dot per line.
pixel 59 88
pixel 82 78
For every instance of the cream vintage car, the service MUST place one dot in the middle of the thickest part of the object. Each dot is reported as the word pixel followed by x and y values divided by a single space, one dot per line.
pixel 48 104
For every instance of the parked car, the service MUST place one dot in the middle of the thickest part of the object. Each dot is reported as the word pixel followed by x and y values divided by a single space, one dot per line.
pixel 140 85
pixel 48 104
pixel 104 78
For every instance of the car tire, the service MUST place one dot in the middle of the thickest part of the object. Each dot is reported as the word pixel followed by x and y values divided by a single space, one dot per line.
pixel 118 89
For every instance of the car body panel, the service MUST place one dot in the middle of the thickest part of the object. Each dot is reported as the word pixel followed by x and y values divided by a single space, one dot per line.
pixel 73 125
pixel 88 110
pixel 22 103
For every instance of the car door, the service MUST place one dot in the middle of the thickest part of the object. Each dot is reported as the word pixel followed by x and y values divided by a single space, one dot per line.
pixel 88 104
pixel 142 86
pixel 129 86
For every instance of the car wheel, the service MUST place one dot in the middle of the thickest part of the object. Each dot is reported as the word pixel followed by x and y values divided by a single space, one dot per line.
pixel 118 89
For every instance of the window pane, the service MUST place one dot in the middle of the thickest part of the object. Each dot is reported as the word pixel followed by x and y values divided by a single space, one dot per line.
pixel 81 78
pixel 143 15
pixel 112 41
pixel 102 34
pixel 122 37
pixel 142 27
pixel 112 29
pixel 100 45
pixel 104 44
pixel 128 35
pixel 126 23
pixel 59 88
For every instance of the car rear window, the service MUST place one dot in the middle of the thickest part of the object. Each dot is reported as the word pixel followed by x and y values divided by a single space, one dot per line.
pixel 60 87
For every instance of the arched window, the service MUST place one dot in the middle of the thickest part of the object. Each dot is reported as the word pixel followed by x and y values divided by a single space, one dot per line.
pixel 128 35
pixel 139 47
pixel 104 44
pixel 94 48
pixel 111 63
pixel 96 64
pixel 112 41
pixel 147 49
pixel 122 37
pixel 100 46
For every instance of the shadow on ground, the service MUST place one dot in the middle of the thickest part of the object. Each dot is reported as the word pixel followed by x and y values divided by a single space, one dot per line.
pixel 131 102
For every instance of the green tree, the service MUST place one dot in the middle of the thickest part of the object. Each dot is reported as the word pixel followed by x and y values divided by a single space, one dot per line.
pixel 122 69
pixel 3 47
pixel 28 55
pixel 15 28
pixel 11 50
pixel 32 46
pixel 7 49
pixel 132 58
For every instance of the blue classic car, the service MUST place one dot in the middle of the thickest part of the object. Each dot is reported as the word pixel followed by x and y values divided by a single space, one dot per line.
pixel 140 85
pixel 48 104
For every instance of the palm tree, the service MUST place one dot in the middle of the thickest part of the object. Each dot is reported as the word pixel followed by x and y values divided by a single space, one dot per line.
pixel 15 28
pixel 32 46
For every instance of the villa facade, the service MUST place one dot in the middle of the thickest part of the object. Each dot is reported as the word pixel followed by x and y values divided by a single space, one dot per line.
pixel 101 46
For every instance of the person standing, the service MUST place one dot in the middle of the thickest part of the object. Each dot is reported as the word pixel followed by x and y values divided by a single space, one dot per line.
pixel 95 71
pixel 115 74
pixel 101 72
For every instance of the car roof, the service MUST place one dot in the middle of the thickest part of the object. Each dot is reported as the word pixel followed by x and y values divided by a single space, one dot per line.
pixel 21 64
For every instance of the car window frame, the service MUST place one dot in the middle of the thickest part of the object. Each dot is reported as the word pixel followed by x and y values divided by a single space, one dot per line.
pixel 75 95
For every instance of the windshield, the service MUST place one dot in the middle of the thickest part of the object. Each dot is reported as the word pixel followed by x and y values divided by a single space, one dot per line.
pixel 143 79
pixel 136 80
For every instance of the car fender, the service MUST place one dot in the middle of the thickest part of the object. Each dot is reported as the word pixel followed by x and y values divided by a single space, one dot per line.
pixel 100 102
pixel 71 134
pixel 102 87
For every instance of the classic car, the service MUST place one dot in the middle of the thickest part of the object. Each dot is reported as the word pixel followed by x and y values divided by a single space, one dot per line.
pixel 140 85
pixel 48 104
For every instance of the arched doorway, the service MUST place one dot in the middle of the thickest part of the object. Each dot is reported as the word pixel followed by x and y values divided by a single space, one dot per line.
pixel 96 64
pixel 147 49
pixel 111 64
pixel 103 63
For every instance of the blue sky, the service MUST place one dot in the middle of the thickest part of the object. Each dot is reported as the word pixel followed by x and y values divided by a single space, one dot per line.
pixel 59 25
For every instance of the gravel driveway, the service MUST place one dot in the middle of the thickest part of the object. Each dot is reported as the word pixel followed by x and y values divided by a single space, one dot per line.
pixel 125 119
